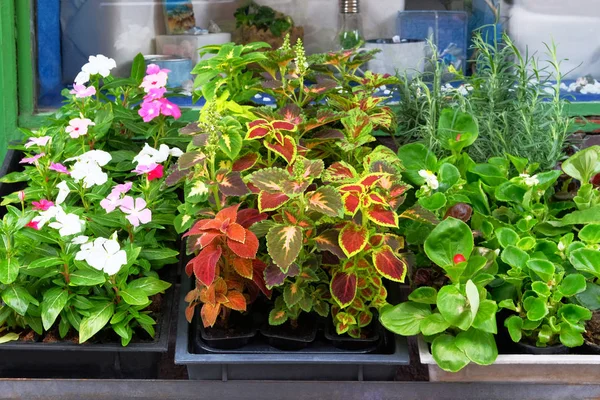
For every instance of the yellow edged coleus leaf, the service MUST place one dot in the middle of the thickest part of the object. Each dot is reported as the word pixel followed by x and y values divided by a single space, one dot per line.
pixel 382 217
pixel 325 200
pixel 284 243
pixel 288 149
pixel 343 288
pixel 230 143
pixel 270 179
pixel 390 265
pixel 353 238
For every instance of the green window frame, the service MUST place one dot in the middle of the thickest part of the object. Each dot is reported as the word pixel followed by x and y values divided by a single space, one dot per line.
pixel 17 76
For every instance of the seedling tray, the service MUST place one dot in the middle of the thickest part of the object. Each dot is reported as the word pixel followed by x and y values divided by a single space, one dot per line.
pixel 70 360
pixel 258 361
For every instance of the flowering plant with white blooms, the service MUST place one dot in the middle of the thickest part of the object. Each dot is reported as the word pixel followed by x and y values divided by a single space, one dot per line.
pixel 95 224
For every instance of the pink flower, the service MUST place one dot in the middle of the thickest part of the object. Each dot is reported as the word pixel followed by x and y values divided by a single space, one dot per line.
pixel 154 81
pixel 149 110
pixel 155 94
pixel 156 173
pixel 42 205
pixel 112 201
pixel 138 213
pixel 169 109
pixel 144 169
pixel 81 92
pixel 78 127
pixel 32 160
pixel 33 224
pixel 123 188
pixel 37 141
pixel 59 168
pixel 155 69
pixel 21 195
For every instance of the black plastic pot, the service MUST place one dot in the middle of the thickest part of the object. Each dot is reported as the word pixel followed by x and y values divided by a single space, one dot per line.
pixel 529 349
pixel 591 347
pixel 368 344
pixel 284 337
pixel 70 360
pixel 260 361
pixel 223 339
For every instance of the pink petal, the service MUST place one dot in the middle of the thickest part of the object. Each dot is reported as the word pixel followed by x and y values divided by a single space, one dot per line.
pixel 133 220
pixel 140 203
pixel 127 204
pixel 145 216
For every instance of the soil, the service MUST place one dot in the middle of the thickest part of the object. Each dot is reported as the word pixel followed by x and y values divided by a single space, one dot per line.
pixel 592 329
pixel 29 336
pixel 304 329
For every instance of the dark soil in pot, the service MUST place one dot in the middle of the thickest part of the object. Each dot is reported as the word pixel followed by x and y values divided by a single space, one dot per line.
pixel 290 338
pixel 525 348
pixel 238 332
pixel 592 333
pixel 371 340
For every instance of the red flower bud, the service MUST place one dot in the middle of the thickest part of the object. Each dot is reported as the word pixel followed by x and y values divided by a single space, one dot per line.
pixel 459 258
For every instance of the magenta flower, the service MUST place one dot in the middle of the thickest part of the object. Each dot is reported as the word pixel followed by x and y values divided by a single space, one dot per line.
pixel 137 211
pixel 42 205
pixel 37 141
pixel 32 160
pixel 153 69
pixel 112 201
pixel 81 92
pixel 59 168
pixel 169 109
pixel 123 188
pixel 33 224
pixel 78 127
pixel 155 94
pixel 149 110
pixel 144 169
pixel 156 173
pixel 154 81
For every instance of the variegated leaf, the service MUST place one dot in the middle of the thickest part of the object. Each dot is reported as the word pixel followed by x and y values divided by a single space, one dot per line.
pixel 283 126
pixel 271 201
pixel 329 241
pixel 353 239
pixel 189 159
pixel 325 200
pixel 351 202
pixel 312 168
pixel 339 172
pixel 258 129
pixel 232 184
pixel 274 276
pixel 230 143
pixel 287 149
pixel 389 265
pixel 382 217
pixel 295 188
pixel 420 214
pixel 270 179
pixel 245 162
pixel 343 288
pixel 284 243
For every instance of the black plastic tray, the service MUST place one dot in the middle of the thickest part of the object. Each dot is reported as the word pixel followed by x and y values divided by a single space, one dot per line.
pixel 262 363
pixel 70 360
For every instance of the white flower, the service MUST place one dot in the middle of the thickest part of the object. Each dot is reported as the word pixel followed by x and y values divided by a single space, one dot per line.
pixel 430 178
pixel 561 247
pixel 63 192
pixel 530 180
pixel 98 64
pixel 67 224
pixel 47 215
pixel 149 155
pixel 87 168
pixel 80 239
pixel 104 255
pixel 98 156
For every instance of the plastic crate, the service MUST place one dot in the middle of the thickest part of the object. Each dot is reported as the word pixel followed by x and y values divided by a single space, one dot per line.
pixel 447 30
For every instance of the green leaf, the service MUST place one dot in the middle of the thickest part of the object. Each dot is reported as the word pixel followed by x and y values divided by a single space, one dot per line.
pixel 514 324
pixel 485 320
pixel 586 260
pixel 405 318
pixel 230 143
pixel 9 270
pixel 574 313
pixel 433 324
pixel 536 308
pixel 509 304
pixel 95 321
pixel 541 289
pixel 456 130
pixel 447 355
pixel 18 298
pixel 134 297
pixel 448 176
pixel 489 174
pixel 14 177
pixel 451 237
pixel 515 257
pixel 584 164
pixel 86 277
pixel 149 285
pixel 45 262
pixel 590 233
pixel 433 202
pixel 572 284
pixel 277 317
pixel 478 346
pixel 543 268
pixel 581 217
pixel 507 237
pixel 158 254
pixel 590 298
pixel 53 303
pixel 138 68
pixel 284 243
pixel 425 295
pixel 292 294
pixel 454 307
pixel 569 336
pixel 415 157
pixel 9 337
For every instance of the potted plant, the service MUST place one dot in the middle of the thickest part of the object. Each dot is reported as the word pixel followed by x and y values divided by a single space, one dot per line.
pixel 298 208
pixel 86 239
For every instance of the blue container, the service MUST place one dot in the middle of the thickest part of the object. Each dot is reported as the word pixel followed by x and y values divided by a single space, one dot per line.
pixel 448 30
pixel 181 68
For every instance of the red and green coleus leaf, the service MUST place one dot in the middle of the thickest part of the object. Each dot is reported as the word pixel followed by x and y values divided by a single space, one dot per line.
pixel 343 287
pixel 247 249
pixel 325 200
pixel 270 179
pixel 351 203
pixel 287 149
pixel 379 215
pixel 295 187
pixel 292 294
pixel 277 316
pixel 280 125
pixel 245 162
pixel 353 238
pixel 329 241
pixel 204 265
pixel 189 159
pixel 271 201
pixel 249 216
pixel 343 322
pixel 258 129
pixel 284 243
pixel 274 276
pixel 389 264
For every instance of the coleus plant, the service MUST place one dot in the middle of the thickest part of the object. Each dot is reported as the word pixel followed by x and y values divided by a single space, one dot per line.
pixel 459 319
pixel 94 226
